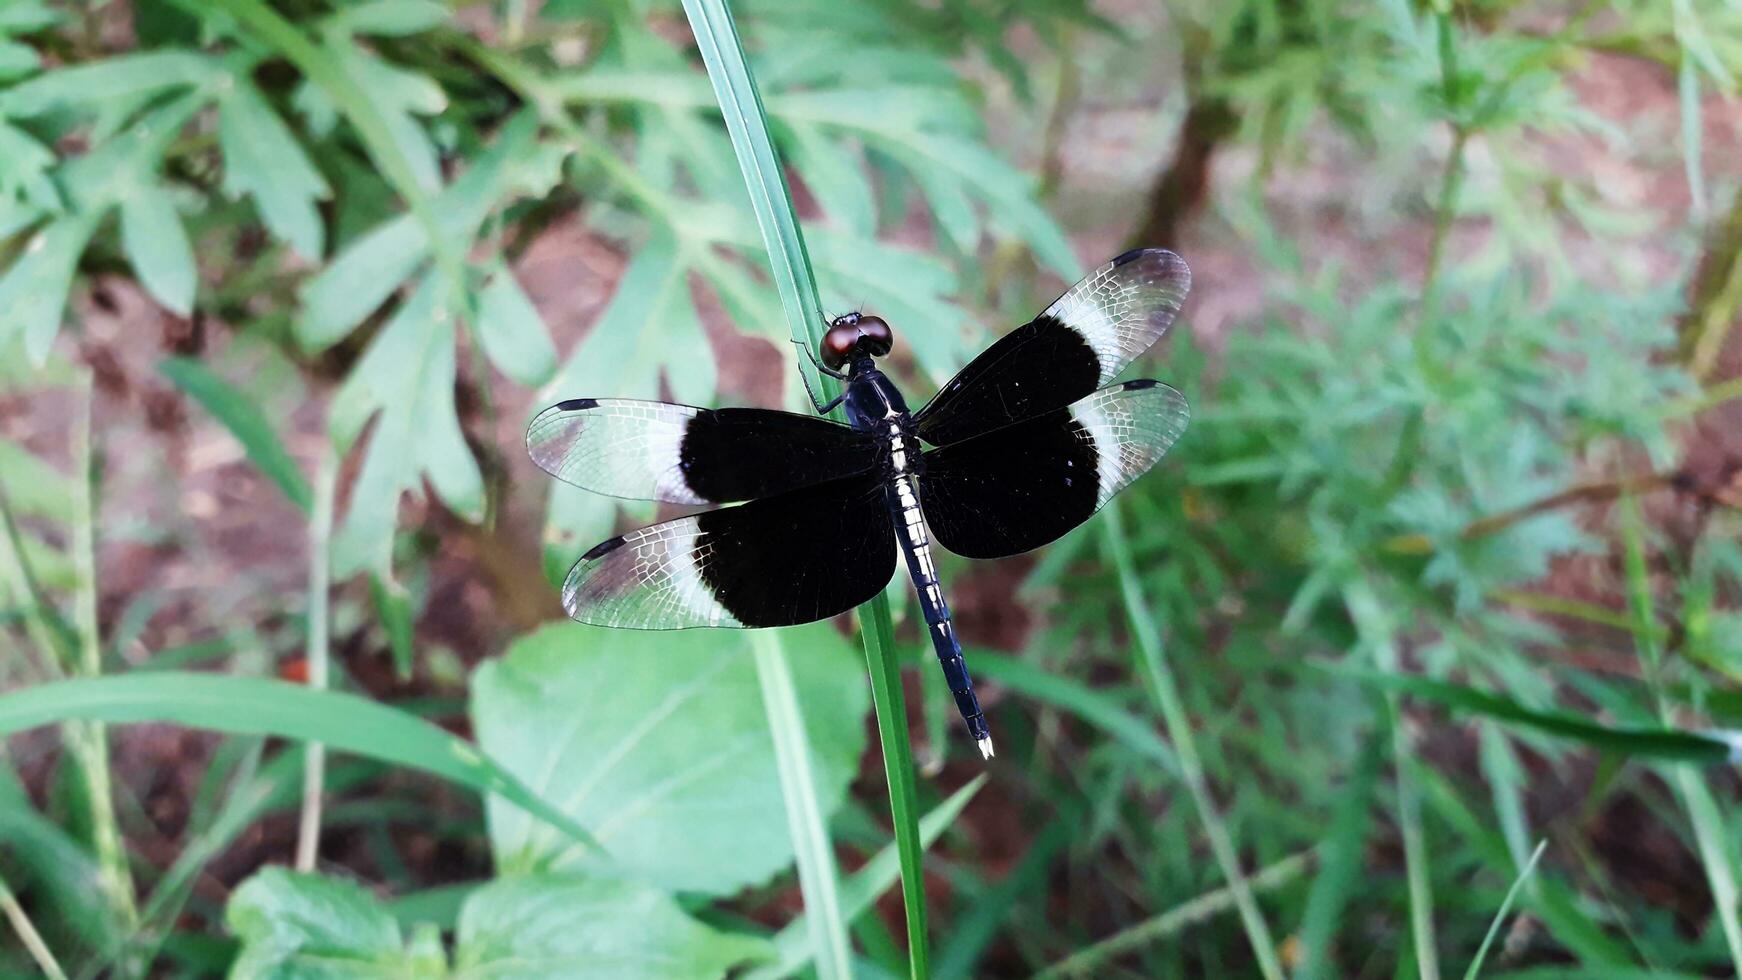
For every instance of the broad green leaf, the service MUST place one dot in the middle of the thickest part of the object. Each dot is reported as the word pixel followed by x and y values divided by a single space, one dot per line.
pixel 658 744
pixel 263 160
pixel 536 926
pixel 390 18
pixel 367 272
pixel 256 706
pixel 297 926
pixel 511 331
pixel 157 245
pixel 27 17
pixel 242 416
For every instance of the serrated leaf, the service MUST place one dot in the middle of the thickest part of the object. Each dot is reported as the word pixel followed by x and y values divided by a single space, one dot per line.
pixel 835 177
pixel 390 18
pixel 401 96
pixel 658 743
pixel 24 166
pixel 242 416
pixel 126 78
pixel 33 293
pixel 156 244
pixel 17 60
pixel 264 161
pixel 511 331
pixel 367 272
pixel 537 926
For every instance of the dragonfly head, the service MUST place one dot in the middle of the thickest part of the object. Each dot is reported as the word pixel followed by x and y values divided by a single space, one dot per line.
pixel 855 334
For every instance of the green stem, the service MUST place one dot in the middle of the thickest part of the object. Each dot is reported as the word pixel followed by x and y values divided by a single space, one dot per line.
pixel 789 261
pixel 817 876
pixel 1165 689
pixel 308 831
pixel 1375 631
pixel 28 935
pixel 90 738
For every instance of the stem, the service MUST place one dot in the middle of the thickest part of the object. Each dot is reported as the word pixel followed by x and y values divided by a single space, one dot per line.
pixel 89 738
pixel 1587 493
pixel 818 878
pixel 308 831
pixel 1179 730
pixel 1375 630
pixel 28 935
pixel 891 706
pixel 1170 923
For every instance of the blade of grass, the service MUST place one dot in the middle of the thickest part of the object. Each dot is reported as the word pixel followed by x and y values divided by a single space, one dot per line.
pixel 1340 859
pixel 1710 834
pixel 257 706
pixel 28 935
pixel 747 124
pixel 1500 917
pixel 1374 629
pixel 1091 959
pixel 817 875
pixel 308 830
pixel 1661 743
pixel 792 945
pixel 1090 705
pixel 1179 731
pixel 242 416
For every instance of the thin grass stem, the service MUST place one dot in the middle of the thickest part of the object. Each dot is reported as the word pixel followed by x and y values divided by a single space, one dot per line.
pixel 1165 689
pixel 308 828
pixel 28 935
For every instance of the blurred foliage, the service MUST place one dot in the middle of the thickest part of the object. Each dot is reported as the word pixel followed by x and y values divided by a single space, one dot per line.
pixel 1433 564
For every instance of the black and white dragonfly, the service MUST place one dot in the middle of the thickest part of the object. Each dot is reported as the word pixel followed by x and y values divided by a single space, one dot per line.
pixel 1027 442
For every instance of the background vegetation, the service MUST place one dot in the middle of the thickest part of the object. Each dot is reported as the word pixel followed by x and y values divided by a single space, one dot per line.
pixel 1419 656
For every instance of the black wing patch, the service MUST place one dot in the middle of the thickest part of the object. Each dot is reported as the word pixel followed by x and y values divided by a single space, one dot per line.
pixel 776 561
pixel 1081 342
pixel 1026 484
pixel 647 450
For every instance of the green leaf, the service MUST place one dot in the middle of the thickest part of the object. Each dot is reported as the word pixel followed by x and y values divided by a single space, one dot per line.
pixel 407 375
pixel 537 926
pixel 659 745
pixel 32 487
pixel 511 331
pixel 33 293
pixel 1661 743
pixel 256 706
pixel 367 272
pixel 17 60
pixel 157 245
pixel 295 926
pixel 264 161
pixel 117 79
pixel 390 18
pixel 242 416
pixel 24 167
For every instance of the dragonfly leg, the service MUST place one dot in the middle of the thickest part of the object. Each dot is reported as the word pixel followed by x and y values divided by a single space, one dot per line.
pixel 823 408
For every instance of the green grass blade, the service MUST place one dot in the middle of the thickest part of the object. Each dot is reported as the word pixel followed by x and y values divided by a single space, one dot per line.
pixel 747 124
pixel 1660 743
pixel 1375 631
pixel 817 875
pixel 1091 960
pixel 28 935
pixel 1340 862
pixel 1179 731
pixel 1090 705
pixel 257 706
pixel 242 416
pixel 792 944
pixel 1475 969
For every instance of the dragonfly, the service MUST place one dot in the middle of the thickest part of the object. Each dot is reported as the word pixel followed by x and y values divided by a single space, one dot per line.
pixel 1028 441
